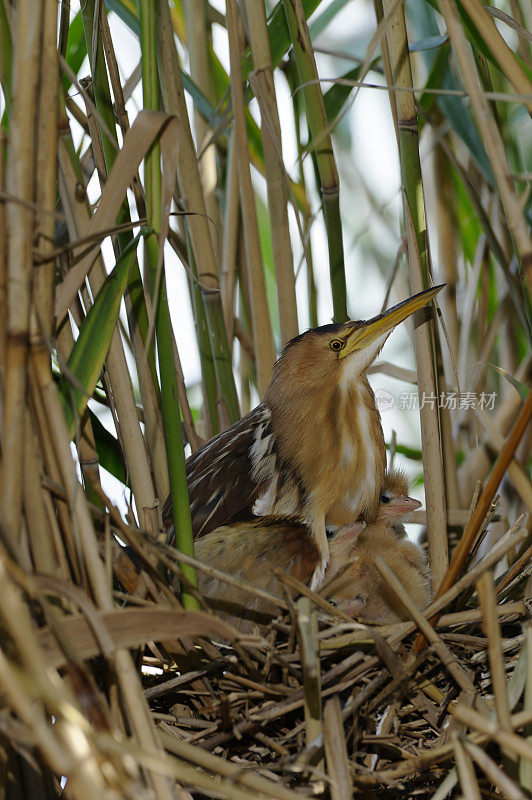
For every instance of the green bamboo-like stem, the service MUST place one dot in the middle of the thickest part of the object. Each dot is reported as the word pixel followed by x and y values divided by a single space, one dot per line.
pixel 169 394
pixel 419 266
pixel 276 179
pixel 260 321
pixel 297 106
pixel 198 223
pixel 319 127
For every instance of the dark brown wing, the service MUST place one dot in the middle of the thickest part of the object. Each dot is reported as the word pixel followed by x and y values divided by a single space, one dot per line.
pixel 219 479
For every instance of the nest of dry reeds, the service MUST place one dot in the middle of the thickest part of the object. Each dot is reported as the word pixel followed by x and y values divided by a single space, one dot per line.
pixel 308 705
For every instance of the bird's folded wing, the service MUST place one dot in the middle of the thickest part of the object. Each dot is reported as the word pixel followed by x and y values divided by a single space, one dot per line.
pixel 219 474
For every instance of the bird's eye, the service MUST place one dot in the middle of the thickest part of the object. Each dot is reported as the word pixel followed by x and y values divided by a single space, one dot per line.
pixel 332 602
pixel 385 497
pixel 336 345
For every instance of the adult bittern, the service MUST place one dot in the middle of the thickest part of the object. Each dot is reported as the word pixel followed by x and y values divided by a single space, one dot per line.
pixel 254 549
pixel 314 448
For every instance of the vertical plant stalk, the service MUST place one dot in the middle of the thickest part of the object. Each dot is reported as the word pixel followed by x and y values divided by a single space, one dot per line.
pixel 134 296
pixel 198 223
pixel 418 261
pixel 198 42
pixel 262 333
pixel 169 392
pixel 261 80
pixel 297 106
pixel 491 137
pixel 307 624
pixel 77 217
pixel 46 171
pixel 20 184
pixel 326 164
pixel 230 240
pixel 134 299
pixel 488 605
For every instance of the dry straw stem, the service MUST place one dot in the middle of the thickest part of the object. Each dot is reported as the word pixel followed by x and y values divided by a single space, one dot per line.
pixel 19 218
pixel 260 320
pixel 491 137
pixel 508 740
pixel 307 625
pixel 481 509
pixel 261 80
pixel 466 772
pixel 509 789
pixel 448 660
pixel 488 604
pixel 341 787
pixel 220 766
pixel 420 278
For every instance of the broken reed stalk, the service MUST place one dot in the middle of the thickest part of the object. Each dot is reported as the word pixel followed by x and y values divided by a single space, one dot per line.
pixel 488 604
pixel 307 624
pixel 260 320
pixel 466 771
pixel 341 786
pixel 481 509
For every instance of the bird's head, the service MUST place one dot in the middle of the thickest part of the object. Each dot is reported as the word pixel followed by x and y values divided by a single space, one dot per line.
pixel 323 355
pixel 395 505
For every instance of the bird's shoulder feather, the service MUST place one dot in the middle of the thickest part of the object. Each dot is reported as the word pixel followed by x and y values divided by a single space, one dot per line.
pixel 219 474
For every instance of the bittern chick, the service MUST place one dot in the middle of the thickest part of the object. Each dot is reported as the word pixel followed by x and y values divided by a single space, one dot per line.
pixel 254 549
pixel 359 590
pixel 314 449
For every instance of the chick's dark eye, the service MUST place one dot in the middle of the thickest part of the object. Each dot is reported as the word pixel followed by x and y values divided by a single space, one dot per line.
pixel 385 497
pixel 336 345
pixel 332 603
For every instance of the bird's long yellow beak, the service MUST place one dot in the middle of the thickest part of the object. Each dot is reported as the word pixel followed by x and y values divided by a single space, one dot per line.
pixel 366 333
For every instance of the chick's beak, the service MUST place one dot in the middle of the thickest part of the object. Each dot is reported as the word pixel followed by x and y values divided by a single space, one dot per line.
pixel 403 505
pixel 363 335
